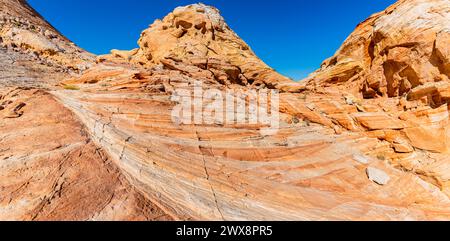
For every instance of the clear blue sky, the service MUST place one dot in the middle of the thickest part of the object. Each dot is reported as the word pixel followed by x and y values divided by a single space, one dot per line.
pixel 292 36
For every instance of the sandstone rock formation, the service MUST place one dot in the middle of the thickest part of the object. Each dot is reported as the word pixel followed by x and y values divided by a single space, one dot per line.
pixel 341 153
pixel 198 36
pixel 226 172
pixel 49 167
pixel 377 176
pixel 30 44
pixel 51 170
pixel 393 52
pixel 319 166
pixel 394 70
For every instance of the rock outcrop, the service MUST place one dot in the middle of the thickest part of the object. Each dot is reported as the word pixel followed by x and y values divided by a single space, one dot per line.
pixel 394 71
pixel 340 153
pixel 337 155
pixel 233 172
pixel 28 42
pixel 49 167
pixel 198 36
pixel 393 52
pixel 51 170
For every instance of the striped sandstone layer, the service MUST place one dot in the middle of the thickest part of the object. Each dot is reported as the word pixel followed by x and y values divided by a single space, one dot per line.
pixel 340 154
pixel 232 172
pixel 320 165
pixel 49 167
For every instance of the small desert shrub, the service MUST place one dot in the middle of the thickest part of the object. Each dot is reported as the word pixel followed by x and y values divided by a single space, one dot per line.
pixel 49 52
pixel 71 87
pixel 381 157
pixel 302 97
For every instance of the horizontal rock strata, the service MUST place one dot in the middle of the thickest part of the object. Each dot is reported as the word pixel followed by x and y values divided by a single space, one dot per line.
pixel 226 172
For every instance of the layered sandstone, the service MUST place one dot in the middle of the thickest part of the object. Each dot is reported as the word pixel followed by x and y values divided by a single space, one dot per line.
pixel 393 52
pixel 51 170
pixel 233 172
pixel 197 35
pixel 49 167
pixel 336 156
pixel 28 42
pixel 394 70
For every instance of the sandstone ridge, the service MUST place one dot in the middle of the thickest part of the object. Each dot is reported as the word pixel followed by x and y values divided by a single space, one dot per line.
pixel 394 71
pixel 337 156
pixel 49 167
pixel 197 35
pixel 29 41
pixel 341 153
pixel 393 52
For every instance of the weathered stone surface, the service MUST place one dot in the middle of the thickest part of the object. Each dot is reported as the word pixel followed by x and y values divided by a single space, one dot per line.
pixel 126 145
pixel 392 52
pixel 25 35
pixel 199 33
pixel 402 147
pixel 280 173
pixel 51 170
pixel 394 69
pixel 378 121
pixel 377 176
pixel 361 159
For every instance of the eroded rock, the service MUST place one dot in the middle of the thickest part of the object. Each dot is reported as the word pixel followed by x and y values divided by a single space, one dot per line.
pixel 378 176
pixel 198 32
pixel 134 151
pixel 393 51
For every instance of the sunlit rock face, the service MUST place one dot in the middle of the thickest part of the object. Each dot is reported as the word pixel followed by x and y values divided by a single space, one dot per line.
pixel 112 142
pixel 394 68
pixel 28 43
pixel 198 35
pixel 336 155
pixel 393 52
pixel 51 170
pixel 49 167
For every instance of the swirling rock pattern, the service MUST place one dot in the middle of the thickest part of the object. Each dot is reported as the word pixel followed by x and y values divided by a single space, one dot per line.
pixel 308 171
pixel 364 138
pixel 51 170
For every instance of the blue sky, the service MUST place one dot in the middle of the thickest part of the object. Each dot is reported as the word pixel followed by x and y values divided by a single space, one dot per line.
pixel 292 36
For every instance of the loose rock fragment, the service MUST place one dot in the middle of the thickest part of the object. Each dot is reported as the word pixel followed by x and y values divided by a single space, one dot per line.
pixel 361 159
pixel 378 176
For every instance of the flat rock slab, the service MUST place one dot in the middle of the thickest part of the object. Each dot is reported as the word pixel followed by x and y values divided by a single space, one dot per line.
pixel 361 159
pixel 379 121
pixel 378 176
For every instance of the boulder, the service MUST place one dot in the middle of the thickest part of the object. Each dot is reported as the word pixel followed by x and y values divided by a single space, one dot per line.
pixel 378 121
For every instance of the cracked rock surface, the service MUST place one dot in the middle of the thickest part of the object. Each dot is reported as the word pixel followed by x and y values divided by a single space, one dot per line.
pixel 308 171
pixel 49 167
pixel 51 170
pixel 364 138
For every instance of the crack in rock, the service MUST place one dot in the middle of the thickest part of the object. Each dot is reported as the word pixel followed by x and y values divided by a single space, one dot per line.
pixel 208 178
